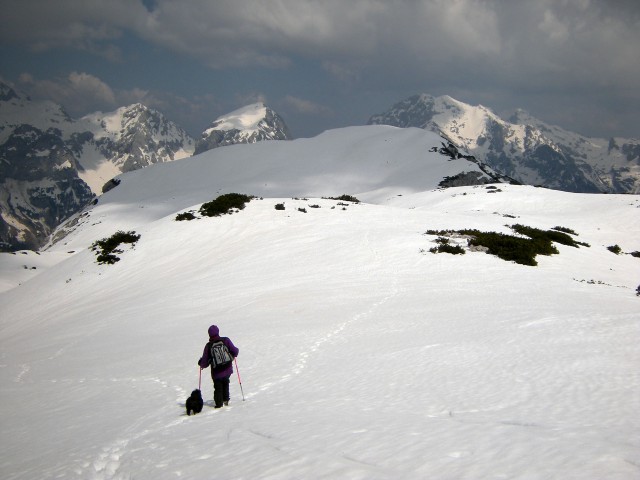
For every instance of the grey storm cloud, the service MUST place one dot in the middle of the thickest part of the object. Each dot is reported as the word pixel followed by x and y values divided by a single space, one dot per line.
pixel 549 35
pixel 491 46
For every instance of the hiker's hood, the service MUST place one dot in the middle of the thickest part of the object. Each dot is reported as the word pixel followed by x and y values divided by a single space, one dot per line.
pixel 214 331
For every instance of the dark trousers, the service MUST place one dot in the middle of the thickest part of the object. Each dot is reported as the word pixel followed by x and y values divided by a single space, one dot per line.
pixel 221 391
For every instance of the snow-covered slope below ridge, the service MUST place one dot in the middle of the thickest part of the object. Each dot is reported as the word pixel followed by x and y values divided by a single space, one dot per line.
pixel 524 147
pixel 376 163
pixel 362 355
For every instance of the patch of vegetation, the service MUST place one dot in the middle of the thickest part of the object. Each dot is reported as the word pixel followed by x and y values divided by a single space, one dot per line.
pixel 107 248
pixel 565 230
pixel 615 249
pixel 446 248
pixel 303 210
pixel 453 249
pixel 520 249
pixel 508 247
pixel 345 198
pixel 547 236
pixel 224 204
pixel 635 254
pixel 279 206
pixel 185 216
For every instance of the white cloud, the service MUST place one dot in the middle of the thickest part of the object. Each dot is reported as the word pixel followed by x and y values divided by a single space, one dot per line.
pixel 78 92
pixel 307 107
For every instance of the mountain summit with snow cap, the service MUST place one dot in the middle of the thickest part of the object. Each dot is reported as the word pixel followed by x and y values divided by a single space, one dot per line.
pixel 523 147
pixel 249 124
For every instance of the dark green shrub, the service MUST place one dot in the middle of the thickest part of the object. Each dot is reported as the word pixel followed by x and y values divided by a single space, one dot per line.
pixel 108 247
pixel 185 216
pixel 346 198
pixel 545 237
pixel 507 247
pixel 279 206
pixel 447 248
pixel 615 249
pixel 565 230
pixel 224 204
pixel 635 254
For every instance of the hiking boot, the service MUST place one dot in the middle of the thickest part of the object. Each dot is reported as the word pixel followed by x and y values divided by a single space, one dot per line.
pixel 226 402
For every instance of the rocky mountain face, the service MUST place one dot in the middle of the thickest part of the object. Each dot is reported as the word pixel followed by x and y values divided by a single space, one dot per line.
pixel 51 165
pixel 250 124
pixel 525 148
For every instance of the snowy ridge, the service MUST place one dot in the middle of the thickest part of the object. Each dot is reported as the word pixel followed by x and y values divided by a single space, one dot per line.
pixel 524 147
pixel 362 354
pixel 376 163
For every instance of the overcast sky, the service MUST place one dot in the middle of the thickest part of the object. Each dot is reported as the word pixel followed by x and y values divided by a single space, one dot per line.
pixel 330 63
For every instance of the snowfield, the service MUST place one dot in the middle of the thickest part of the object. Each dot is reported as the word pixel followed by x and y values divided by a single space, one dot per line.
pixel 362 354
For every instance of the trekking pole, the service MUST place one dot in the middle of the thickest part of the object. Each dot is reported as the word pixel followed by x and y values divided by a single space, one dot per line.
pixel 200 379
pixel 239 381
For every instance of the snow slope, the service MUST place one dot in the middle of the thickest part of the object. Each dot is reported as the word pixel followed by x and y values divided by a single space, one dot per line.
pixel 375 162
pixel 362 355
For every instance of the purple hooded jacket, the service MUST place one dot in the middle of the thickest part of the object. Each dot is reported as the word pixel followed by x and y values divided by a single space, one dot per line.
pixel 205 360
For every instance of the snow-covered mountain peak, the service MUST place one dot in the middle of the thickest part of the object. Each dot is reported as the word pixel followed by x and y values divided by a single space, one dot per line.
pixel 7 93
pixel 17 108
pixel 53 164
pixel 246 118
pixel 249 124
pixel 524 147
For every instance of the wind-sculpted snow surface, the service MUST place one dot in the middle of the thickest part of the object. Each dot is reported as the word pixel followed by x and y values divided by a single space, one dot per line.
pixel 362 355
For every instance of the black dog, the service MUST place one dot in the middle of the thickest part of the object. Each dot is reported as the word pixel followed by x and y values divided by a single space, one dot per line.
pixel 194 402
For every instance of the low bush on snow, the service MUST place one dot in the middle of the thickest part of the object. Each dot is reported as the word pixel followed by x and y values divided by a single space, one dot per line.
pixel 344 198
pixel 445 247
pixel 615 249
pixel 224 204
pixel 185 216
pixel 519 249
pixel 108 247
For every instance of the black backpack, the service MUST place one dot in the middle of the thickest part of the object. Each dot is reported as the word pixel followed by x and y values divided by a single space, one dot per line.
pixel 220 356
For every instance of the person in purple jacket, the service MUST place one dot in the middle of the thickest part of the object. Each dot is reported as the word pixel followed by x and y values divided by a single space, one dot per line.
pixel 220 374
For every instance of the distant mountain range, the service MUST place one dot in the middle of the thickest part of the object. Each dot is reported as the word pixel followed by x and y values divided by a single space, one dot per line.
pixel 51 165
pixel 523 147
